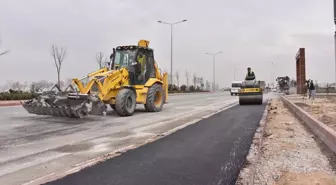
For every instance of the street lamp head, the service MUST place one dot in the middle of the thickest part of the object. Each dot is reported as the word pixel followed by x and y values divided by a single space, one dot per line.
pixel 159 21
pixel 184 20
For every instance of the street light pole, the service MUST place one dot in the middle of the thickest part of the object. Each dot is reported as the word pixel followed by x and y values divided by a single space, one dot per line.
pixel 335 36
pixel 214 69
pixel 171 46
pixel 272 74
pixel 234 71
pixel 171 54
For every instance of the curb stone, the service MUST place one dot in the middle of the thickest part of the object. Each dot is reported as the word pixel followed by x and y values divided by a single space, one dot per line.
pixel 10 103
pixel 247 173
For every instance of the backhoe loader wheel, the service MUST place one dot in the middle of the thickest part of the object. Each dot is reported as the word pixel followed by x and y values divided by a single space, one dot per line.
pixel 112 106
pixel 125 102
pixel 155 98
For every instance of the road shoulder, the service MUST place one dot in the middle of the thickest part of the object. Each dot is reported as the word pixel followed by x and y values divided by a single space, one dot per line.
pixel 290 153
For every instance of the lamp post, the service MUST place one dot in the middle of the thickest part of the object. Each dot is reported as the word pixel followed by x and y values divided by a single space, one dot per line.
pixel 335 37
pixel 234 70
pixel 213 70
pixel 171 45
pixel 272 74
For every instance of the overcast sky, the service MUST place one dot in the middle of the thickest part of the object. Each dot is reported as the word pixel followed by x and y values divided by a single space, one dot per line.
pixel 250 33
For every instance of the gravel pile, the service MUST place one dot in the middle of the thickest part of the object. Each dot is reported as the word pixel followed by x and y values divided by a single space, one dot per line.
pixel 290 154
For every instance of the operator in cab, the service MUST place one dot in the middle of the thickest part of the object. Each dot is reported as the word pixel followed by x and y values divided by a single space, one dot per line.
pixel 250 74
pixel 142 61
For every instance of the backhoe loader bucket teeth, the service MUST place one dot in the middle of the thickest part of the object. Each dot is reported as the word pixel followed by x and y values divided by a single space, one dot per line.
pixel 72 105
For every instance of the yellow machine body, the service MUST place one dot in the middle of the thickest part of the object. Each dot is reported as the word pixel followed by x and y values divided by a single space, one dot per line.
pixel 117 84
pixel 114 80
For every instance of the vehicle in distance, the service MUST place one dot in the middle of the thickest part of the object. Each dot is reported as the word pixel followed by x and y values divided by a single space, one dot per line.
pixel 235 87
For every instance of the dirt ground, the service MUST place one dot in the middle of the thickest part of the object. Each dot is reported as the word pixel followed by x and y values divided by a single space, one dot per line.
pixel 290 154
pixel 323 108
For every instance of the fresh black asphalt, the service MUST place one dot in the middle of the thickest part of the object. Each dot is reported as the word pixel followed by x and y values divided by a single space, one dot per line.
pixel 211 151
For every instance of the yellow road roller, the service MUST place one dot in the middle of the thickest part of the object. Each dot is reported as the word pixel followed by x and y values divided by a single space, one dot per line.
pixel 251 91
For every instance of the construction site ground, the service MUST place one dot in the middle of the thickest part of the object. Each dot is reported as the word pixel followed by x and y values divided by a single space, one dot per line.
pixel 291 154
pixel 322 107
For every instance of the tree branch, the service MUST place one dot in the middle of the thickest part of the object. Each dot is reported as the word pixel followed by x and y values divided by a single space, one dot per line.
pixel 100 59
pixel 58 56
pixel 5 52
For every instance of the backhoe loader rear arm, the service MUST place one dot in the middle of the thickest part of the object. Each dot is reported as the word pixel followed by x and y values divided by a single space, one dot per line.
pixel 163 78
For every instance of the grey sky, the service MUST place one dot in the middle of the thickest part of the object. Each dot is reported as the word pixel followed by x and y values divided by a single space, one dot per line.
pixel 251 33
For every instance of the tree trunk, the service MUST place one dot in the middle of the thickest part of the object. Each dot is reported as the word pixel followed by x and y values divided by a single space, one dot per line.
pixel 58 78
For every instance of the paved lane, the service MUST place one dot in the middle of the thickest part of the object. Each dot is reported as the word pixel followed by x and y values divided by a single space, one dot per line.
pixel 211 151
pixel 48 146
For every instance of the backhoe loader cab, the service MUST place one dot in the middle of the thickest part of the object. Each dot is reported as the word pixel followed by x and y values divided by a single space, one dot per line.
pixel 131 77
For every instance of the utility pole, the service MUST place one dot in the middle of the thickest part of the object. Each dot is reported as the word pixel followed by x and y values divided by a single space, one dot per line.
pixel 335 36
pixel 234 71
pixel 171 45
pixel 213 69
pixel 272 74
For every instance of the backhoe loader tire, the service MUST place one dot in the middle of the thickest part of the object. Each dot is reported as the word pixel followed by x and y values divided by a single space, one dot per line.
pixel 125 102
pixel 155 98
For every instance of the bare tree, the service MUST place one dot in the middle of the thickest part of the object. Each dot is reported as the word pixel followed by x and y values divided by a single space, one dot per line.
pixel 68 81
pixel 187 77
pixel 101 60
pixel 16 85
pixel 4 52
pixel 177 76
pixel 62 84
pixel 58 54
pixel 41 85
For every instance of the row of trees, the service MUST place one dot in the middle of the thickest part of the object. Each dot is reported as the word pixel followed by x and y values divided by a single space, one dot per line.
pixel 59 54
pixel 21 91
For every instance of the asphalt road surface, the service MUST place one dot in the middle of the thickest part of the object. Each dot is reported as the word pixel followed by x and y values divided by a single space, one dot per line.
pixel 211 151
pixel 35 148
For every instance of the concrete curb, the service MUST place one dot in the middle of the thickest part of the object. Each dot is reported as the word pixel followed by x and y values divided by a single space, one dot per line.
pixel 10 103
pixel 325 133
pixel 247 173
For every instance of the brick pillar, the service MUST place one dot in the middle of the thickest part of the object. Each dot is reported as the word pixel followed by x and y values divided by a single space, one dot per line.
pixel 301 71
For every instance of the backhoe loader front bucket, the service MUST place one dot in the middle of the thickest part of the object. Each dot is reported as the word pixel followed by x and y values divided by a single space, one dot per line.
pixel 63 104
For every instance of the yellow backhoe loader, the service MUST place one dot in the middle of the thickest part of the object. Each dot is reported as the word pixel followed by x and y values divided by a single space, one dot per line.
pixel 130 77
